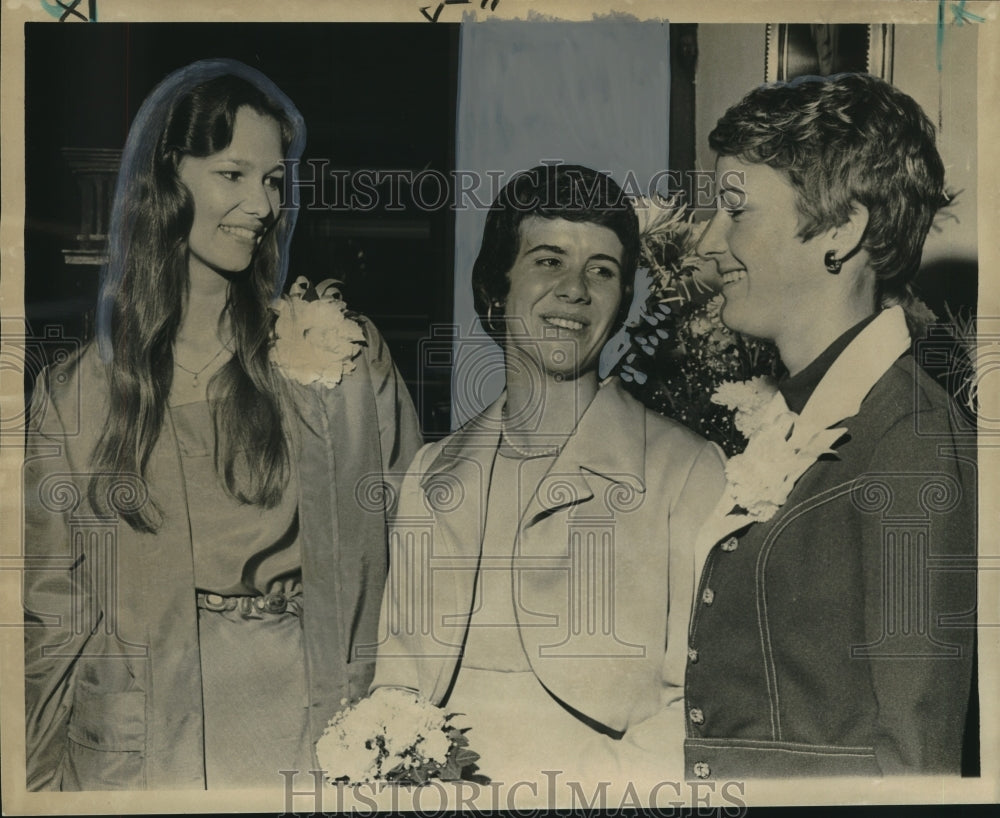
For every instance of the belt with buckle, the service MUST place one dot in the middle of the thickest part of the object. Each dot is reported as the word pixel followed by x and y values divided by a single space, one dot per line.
pixel 255 607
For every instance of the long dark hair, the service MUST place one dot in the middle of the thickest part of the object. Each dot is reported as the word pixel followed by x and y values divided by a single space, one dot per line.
pixel 145 285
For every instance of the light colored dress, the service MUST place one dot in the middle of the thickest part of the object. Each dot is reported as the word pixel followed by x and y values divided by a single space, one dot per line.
pixel 519 728
pixel 592 551
pixel 253 665
pixel 118 703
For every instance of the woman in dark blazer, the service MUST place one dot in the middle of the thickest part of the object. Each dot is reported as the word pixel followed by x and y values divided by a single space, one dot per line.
pixel 204 523
pixel 833 628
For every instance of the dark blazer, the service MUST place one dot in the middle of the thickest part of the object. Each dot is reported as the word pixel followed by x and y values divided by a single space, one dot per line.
pixel 113 686
pixel 837 637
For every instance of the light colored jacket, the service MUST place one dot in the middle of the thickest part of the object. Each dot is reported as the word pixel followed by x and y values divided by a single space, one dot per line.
pixel 112 667
pixel 610 527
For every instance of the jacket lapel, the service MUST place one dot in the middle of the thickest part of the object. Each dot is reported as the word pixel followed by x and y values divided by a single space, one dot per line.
pixel 851 377
pixel 836 398
pixel 456 484
pixel 158 608
pixel 593 461
pixel 456 491
pixel 341 515
pixel 583 480
pixel 567 569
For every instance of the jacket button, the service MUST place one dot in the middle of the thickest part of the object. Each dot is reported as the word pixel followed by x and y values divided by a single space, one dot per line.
pixel 708 596
pixel 731 544
pixel 696 716
pixel 692 655
pixel 702 770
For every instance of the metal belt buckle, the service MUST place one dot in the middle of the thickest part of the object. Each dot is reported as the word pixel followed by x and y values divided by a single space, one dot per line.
pixel 214 602
pixel 275 603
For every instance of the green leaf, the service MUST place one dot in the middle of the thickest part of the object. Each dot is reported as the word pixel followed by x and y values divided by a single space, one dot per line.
pixel 465 757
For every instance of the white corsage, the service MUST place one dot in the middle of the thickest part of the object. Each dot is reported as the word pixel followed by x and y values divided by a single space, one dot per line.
pixel 782 444
pixel 315 340
pixel 747 399
pixel 394 735
pixel 781 448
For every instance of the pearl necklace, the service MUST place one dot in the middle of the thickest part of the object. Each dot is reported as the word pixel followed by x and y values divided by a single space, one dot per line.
pixel 537 451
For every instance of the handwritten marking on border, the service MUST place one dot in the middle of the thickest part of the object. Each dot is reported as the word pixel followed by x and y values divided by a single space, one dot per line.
pixel 65 11
pixel 433 18
pixel 960 16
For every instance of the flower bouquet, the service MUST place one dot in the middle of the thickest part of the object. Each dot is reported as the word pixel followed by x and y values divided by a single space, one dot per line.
pixel 678 351
pixel 315 338
pixel 395 736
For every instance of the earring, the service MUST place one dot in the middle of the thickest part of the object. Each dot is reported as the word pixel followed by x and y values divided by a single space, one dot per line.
pixel 489 314
pixel 833 264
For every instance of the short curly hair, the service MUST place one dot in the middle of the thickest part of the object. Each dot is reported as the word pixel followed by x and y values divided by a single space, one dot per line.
pixel 572 192
pixel 843 139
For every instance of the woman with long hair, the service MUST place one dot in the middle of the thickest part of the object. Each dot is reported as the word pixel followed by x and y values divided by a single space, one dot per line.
pixel 206 545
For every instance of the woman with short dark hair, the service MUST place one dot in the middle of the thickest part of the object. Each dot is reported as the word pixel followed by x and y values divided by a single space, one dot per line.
pixel 570 192
pixel 541 556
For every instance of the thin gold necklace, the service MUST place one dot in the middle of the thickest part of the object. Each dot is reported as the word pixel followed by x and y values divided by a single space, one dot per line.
pixel 195 373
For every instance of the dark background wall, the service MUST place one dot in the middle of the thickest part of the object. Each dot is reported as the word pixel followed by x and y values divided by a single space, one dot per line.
pixel 374 97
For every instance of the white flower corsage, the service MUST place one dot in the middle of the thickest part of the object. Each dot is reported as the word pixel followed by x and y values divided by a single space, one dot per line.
pixel 394 735
pixel 315 340
pixel 782 447
pixel 747 399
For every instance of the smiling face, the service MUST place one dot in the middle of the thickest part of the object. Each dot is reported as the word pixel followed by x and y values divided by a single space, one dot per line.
pixel 565 289
pixel 769 287
pixel 236 194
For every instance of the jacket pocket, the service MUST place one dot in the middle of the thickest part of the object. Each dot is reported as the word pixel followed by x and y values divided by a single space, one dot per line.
pixel 107 738
pixel 734 759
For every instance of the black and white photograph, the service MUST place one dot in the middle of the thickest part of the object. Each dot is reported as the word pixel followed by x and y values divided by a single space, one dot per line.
pixel 498 405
